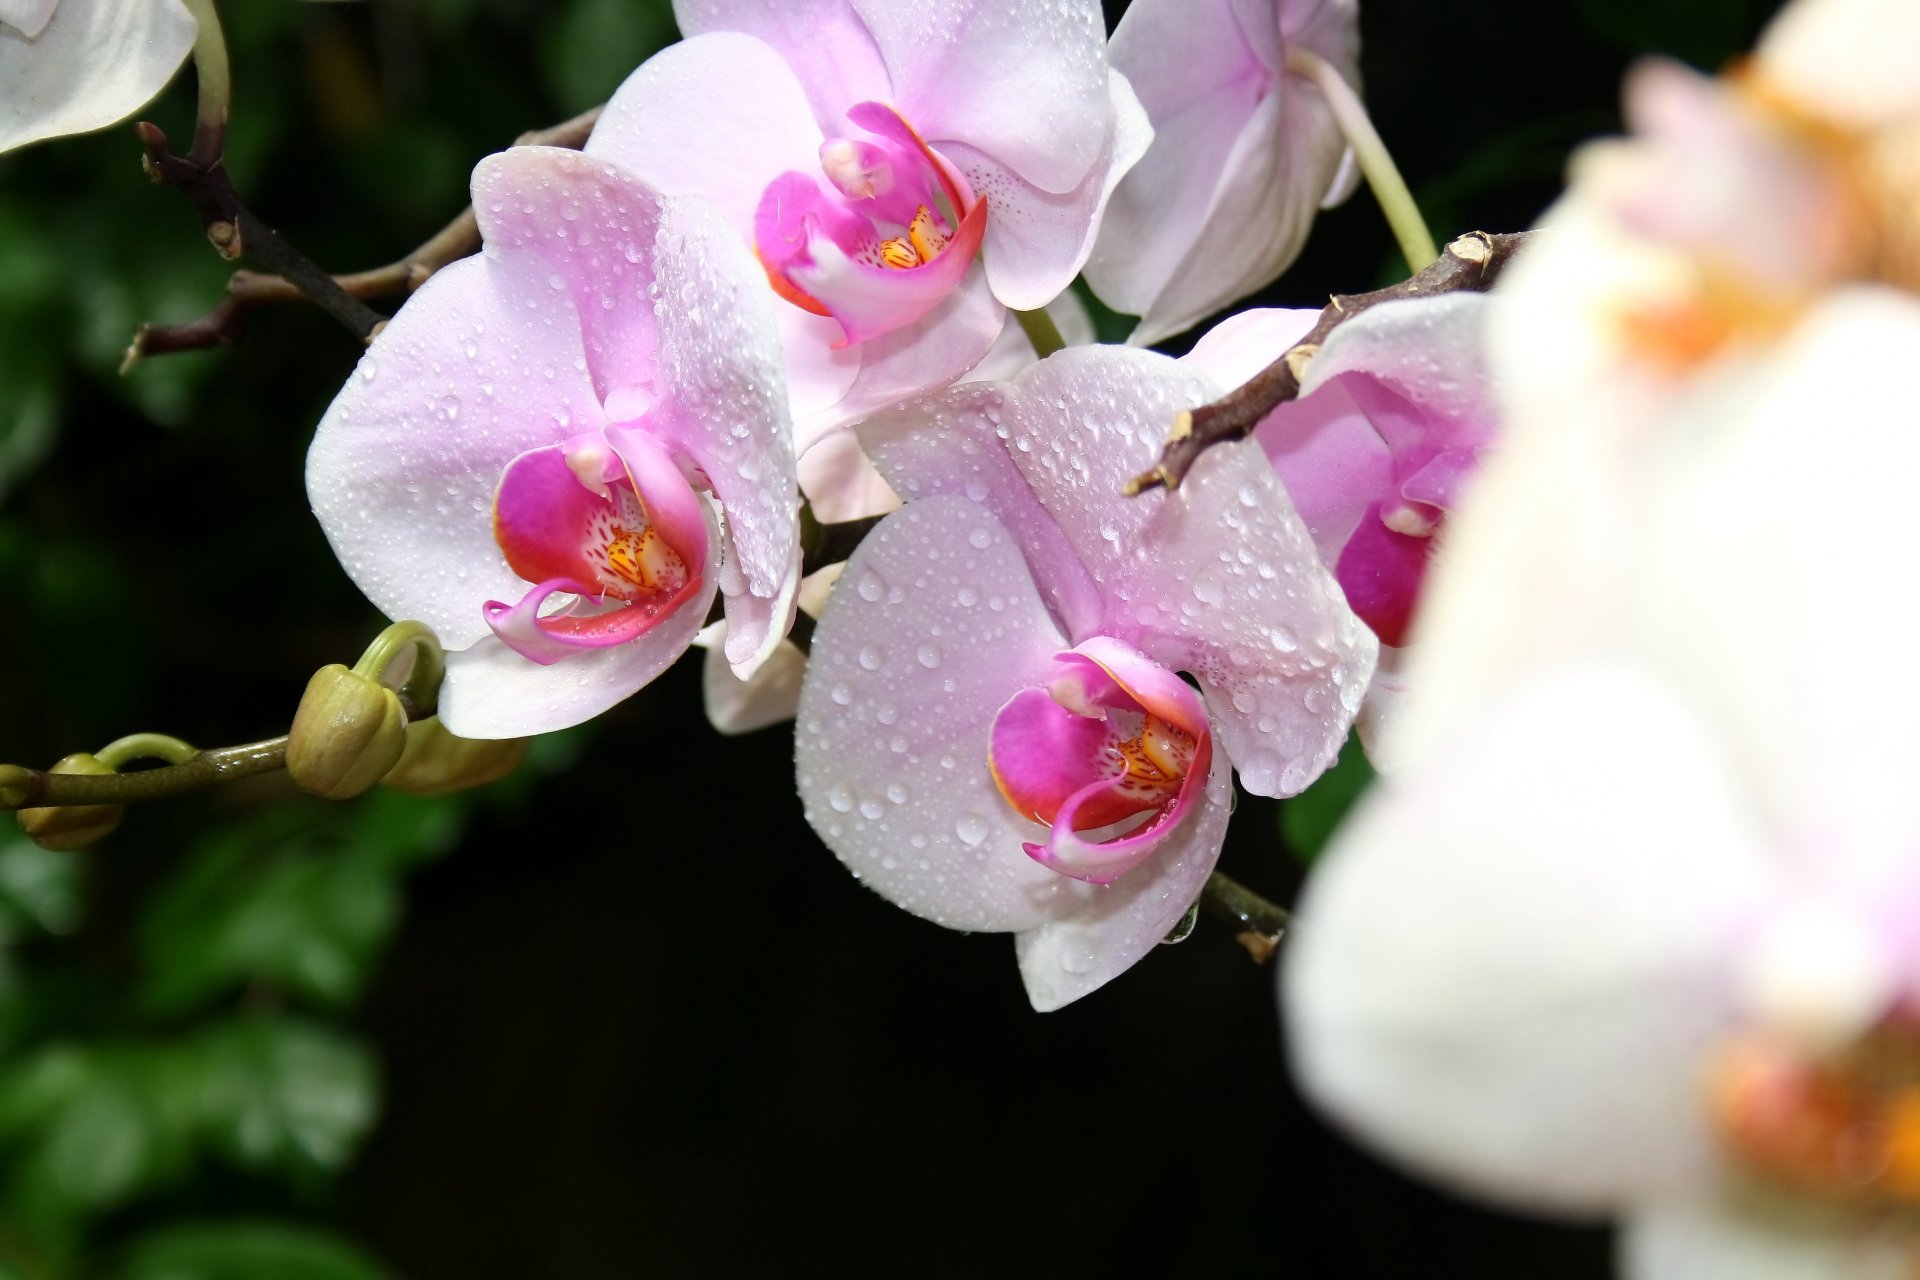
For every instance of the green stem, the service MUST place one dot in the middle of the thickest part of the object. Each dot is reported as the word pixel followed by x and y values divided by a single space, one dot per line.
pixel 215 78
pixel 1041 331
pixel 33 788
pixel 1262 923
pixel 119 753
pixel 1389 188
pixel 420 689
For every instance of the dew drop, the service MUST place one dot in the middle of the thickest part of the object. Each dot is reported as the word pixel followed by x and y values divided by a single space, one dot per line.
pixel 971 829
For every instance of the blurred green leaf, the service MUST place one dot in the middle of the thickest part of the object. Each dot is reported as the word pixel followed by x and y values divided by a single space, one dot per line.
pixel 245 1251
pixel 39 889
pixel 306 920
pixel 592 45
pixel 1308 819
pixel 286 1094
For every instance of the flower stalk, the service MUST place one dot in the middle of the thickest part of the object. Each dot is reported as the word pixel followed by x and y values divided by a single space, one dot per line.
pixel 1383 176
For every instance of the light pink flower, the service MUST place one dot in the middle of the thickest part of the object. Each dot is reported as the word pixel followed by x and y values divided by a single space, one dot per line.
pixel 1394 412
pixel 991 733
pixel 772 694
pixel 537 426
pixel 1244 152
pixel 70 66
pixel 904 175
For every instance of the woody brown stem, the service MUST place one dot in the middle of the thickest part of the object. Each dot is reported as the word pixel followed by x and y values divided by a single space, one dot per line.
pixel 249 290
pixel 1470 264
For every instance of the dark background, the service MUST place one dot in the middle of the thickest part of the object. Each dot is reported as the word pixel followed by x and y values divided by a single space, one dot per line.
pixel 622 1015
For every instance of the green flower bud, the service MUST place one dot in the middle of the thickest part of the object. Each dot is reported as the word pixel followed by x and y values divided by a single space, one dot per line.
pixel 348 732
pixel 63 828
pixel 436 761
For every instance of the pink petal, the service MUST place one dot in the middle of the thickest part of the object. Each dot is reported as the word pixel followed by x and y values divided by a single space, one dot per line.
pixel 1510 982
pixel 1332 462
pixel 718 115
pixel 1011 351
pixel 1169 565
pixel 1165 695
pixel 947 445
pixel 825 43
pixel 1199 82
pixel 673 507
pixel 768 697
pixel 480 366
pixel 86 65
pixel 493 692
pixel 1244 155
pixel 937 350
pixel 987 73
pixel 1380 571
pixel 1430 353
pixel 1037 239
pixel 543 518
pixel 594 227
pixel 1246 342
pixel 871 301
pixel 1042 755
pixel 722 404
pixel 933 626
pixel 592 623
pixel 841 484
pixel 1067 957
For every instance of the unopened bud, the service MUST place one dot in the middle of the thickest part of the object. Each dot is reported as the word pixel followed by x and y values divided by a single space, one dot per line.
pixel 66 827
pixel 436 761
pixel 348 732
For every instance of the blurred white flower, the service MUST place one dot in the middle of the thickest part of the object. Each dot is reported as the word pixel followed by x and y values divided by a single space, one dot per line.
pixel 70 66
pixel 1635 929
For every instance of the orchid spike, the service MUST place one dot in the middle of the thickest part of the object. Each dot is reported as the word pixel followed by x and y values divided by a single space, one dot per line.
pixel 1245 151
pixel 903 179
pixel 1394 414
pixel 992 733
pixel 529 455
pixel 72 66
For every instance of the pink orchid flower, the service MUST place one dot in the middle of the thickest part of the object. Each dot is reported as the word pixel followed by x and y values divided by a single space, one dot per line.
pixel 1245 151
pixel 991 732
pixel 520 460
pixel 70 66
pixel 772 694
pixel 1394 413
pixel 904 175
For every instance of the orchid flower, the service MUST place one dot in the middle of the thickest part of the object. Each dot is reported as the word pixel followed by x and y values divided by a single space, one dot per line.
pixel 70 66
pixel 520 458
pixel 991 732
pixel 904 176
pixel 772 694
pixel 1631 928
pixel 1245 150
pixel 1395 409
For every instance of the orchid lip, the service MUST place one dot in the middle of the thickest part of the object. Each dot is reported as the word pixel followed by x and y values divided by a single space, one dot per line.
pixel 607 519
pixel 884 233
pixel 1114 747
